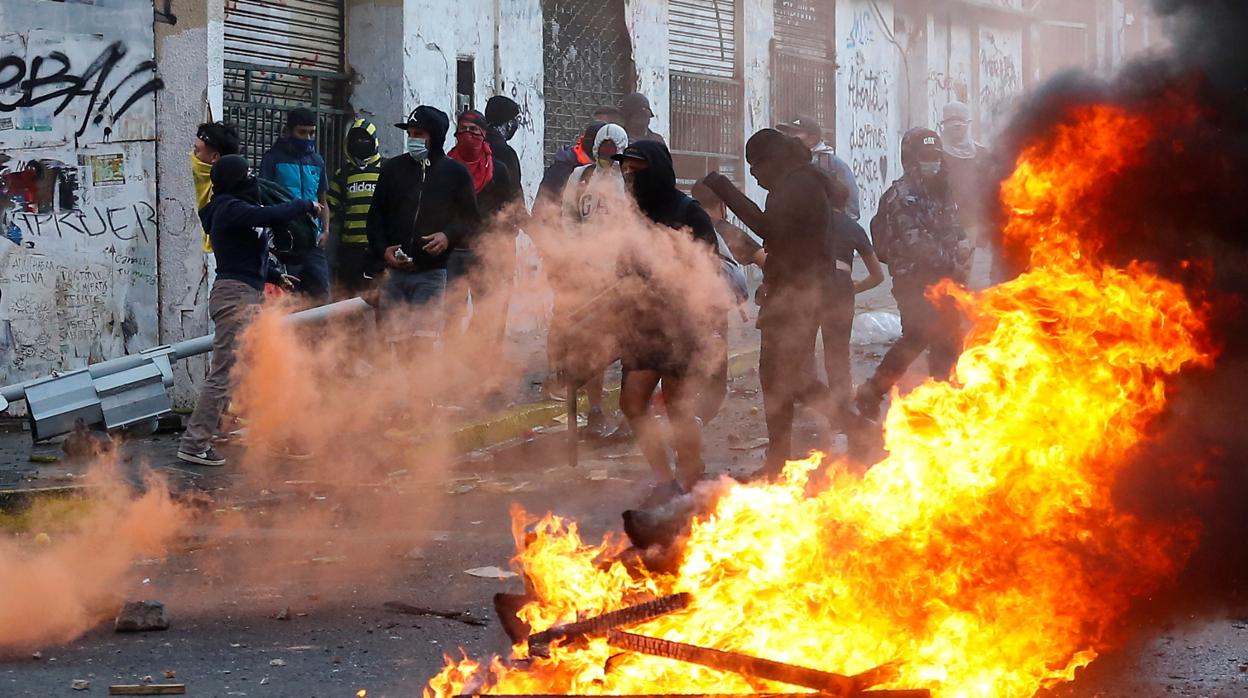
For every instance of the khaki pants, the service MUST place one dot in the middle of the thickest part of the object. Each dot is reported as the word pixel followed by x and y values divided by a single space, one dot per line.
pixel 231 306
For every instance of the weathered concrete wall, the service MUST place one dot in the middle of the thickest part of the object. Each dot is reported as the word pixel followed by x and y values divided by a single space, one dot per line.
pixel 374 28
pixel 868 121
pixel 999 81
pixel 758 26
pixel 647 28
pixel 78 212
pixel 519 75
pixel 190 62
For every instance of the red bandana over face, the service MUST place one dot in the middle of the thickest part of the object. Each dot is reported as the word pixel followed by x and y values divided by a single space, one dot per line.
pixel 472 150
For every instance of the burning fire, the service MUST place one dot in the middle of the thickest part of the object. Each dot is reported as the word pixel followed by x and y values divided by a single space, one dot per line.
pixel 984 555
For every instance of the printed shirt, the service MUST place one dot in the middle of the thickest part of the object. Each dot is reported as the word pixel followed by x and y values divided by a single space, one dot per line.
pixel 917 234
pixel 351 197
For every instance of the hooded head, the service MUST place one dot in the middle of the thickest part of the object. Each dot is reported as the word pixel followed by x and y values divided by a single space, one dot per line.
pixel 650 176
pixel 301 131
pixel 231 175
pixel 428 123
pixel 360 145
pixel 772 155
pixel 503 114
pixel 609 141
pixel 637 113
pixel 955 129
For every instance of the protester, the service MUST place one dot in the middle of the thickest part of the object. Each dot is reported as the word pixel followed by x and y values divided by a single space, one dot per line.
pixel 213 141
pixel 467 273
pixel 503 115
pixel 350 198
pixel 968 165
pixel 579 154
pixel 424 205
pixel 837 324
pixel 294 163
pixel 666 340
pixel 810 133
pixel 240 237
pixel 800 262
pixel 637 117
pixel 590 200
pixel 609 114
pixel 917 234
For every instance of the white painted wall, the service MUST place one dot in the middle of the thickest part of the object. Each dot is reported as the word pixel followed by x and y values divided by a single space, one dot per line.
pixel 374 28
pixel 867 119
pixel 1000 78
pixel 77 252
pixel 758 26
pixel 647 27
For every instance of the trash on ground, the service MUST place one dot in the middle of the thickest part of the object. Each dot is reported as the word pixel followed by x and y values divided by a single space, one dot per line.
pixel 148 689
pixel 876 327
pixel 490 573
pixel 464 617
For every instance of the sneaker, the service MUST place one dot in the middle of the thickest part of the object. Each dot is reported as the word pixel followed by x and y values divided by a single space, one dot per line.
pixel 207 457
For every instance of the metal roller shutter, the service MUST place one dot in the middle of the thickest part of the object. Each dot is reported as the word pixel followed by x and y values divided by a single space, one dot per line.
pixel 703 35
pixel 805 27
pixel 304 34
pixel 803 62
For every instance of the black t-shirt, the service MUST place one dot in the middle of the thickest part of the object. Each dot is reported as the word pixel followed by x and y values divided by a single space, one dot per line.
pixel 848 237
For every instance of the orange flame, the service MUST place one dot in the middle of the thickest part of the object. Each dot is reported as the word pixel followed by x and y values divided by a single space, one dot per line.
pixel 984 554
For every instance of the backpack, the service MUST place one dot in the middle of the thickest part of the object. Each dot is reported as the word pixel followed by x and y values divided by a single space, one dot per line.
pixel 294 238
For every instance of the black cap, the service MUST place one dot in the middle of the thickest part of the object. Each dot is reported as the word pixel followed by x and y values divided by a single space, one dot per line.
pixel 421 118
pixel 501 109
pixel 804 123
pixel 300 116
pixel 632 152
pixel 636 103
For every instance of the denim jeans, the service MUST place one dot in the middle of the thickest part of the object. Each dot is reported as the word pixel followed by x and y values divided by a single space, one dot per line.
pixel 412 303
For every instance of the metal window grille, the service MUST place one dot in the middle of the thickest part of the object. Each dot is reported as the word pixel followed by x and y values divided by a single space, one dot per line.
pixel 258 97
pixel 588 62
pixel 804 85
pixel 707 126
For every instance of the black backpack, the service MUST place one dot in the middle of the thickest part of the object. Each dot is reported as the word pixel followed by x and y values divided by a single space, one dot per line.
pixel 291 239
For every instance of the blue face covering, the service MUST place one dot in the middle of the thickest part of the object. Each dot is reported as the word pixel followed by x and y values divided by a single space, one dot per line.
pixel 306 146
pixel 418 148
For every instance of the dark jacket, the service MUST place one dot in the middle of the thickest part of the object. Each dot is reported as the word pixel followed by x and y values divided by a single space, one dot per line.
pixel 660 200
pixel 239 230
pixel 493 198
pixel 416 199
pixel 917 232
pixel 556 176
pixel 504 153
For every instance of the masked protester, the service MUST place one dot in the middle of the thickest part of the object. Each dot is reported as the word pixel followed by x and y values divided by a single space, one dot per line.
pixel 665 337
pixel 966 163
pixel 579 154
pixel 592 195
pixel 917 234
pixel 350 198
pixel 482 264
pixel 503 115
pixel 213 141
pixel 424 205
pixel 239 229
pixel 294 163
pixel 796 228
pixel 637 117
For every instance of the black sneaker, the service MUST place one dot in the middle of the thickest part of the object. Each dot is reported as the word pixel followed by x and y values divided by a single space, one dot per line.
pixel 208 457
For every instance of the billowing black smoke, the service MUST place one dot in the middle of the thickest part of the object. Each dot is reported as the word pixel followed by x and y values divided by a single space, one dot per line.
pixel 1184 209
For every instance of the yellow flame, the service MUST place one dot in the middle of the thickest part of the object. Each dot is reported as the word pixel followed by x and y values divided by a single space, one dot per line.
pixel 985 553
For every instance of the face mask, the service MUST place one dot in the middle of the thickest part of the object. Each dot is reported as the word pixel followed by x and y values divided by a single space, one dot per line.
pixel 509 129
pixel 470 144
pixel 307 146
pixel 606 151
pixel 418 148
pixel 930 169
pixel 362 149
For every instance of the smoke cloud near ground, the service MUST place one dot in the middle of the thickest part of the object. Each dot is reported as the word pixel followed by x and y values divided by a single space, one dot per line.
pixel 65 582
pixel 1181 209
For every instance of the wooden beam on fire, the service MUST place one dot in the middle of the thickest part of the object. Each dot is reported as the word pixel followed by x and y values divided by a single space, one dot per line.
pixel 898 693
pixel 539 643
pixel 748 666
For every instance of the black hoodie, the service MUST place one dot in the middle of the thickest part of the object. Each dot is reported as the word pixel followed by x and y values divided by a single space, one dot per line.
pixel 655 190
pixel 416 199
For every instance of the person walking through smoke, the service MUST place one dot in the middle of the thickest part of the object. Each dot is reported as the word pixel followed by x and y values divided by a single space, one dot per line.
pixel 239 229
pixel 796 228
pixel 664 338
pixel 917 234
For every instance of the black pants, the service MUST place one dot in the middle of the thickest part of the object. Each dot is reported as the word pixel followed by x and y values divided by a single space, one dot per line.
pixel 786 367
pixel 836 325
pixel 936 328
pixel 352 269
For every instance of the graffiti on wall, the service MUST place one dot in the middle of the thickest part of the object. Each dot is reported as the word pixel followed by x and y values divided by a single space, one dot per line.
pixel 1000 77
pixel 943 88
pixel 866 105
pixel 78 216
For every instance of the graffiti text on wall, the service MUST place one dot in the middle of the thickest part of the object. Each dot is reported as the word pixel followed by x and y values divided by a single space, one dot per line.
pixel 52 78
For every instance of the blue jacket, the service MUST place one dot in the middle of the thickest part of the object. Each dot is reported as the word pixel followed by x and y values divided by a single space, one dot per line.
pixel 304 174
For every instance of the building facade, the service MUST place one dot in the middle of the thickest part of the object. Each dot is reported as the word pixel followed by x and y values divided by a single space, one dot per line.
pixel 99 100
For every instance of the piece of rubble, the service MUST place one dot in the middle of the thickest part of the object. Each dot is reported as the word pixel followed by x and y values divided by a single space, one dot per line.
pixel 277 662
pixel 141 616
pixel 283 614
pixel 147 689
pixel 80 684
pixel 36 655
pixel 491 572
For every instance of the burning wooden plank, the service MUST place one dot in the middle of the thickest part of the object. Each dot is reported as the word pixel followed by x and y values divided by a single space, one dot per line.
pixel 539 643
pixel 902 693
pixel 751 667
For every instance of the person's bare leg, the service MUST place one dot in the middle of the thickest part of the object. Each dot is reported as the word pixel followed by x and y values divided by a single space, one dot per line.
pixel 635 403
pixel 681 396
